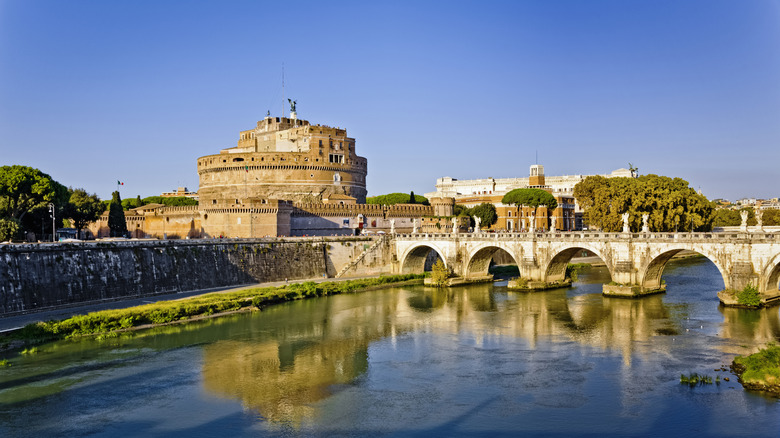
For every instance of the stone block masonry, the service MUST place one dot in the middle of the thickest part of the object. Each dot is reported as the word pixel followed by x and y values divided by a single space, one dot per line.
pixel 35 277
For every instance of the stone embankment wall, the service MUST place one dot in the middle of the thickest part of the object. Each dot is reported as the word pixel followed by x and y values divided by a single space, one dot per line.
pixel 39 276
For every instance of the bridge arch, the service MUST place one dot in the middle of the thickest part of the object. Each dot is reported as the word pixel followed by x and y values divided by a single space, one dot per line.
pixel 771 276
pixel 479 258
pixel 556 268
pixel 650 276
pixel 413 259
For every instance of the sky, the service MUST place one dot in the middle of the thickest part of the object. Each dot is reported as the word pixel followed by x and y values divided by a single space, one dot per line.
pixel 95 92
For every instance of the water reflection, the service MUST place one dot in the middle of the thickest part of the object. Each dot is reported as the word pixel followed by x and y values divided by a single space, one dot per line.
pixel 308 363
pixel 292 361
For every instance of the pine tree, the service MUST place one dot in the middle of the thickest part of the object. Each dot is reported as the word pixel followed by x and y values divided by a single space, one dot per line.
pixel 411 198
pixel 116 217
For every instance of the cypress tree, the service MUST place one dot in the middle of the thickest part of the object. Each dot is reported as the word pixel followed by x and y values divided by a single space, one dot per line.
pixel 411 198
pixel 116 217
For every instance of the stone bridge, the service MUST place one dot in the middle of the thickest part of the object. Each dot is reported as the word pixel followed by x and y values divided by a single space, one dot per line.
pixel 635 260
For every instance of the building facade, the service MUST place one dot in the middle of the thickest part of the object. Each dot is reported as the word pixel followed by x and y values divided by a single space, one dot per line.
pixel 567 216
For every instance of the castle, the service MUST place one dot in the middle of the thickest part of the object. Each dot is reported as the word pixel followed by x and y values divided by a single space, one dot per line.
pixel 285 177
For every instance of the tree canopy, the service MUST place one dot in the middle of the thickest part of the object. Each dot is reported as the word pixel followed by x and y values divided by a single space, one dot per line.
pixel 530 198
pixel 486 213
pixel 670 203
pixel 23 189
pixel 117 224
pixel 396 198
pixel 83 208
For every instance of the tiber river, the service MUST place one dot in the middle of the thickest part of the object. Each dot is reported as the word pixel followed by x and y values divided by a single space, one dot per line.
pixel 414 361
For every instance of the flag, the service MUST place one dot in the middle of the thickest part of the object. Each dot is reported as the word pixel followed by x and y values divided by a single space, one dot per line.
pixel 246 168
pixel 119 183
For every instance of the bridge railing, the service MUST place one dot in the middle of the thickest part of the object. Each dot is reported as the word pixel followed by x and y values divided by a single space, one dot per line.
pixel 598 235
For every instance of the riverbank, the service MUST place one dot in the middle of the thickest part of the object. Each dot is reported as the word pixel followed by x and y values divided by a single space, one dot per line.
pixel 760 371
pixel 189 309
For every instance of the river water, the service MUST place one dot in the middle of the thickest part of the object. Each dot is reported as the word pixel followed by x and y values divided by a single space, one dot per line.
pixel 414 361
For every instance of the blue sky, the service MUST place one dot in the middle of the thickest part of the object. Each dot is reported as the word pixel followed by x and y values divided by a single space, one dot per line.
pixel 93 92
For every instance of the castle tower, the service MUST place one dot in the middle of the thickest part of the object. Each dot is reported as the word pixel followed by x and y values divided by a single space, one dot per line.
pixel 537 176
pixel 443 206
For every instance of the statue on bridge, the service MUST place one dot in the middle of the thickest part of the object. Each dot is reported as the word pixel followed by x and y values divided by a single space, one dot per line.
pixel 626 228
pixel 532 229
pixel 759 221
pixel 645 225
pixel 743 227
pixel 454 225
pixel 477 222
pixel 552 224
pixel 414 226
pixel 392 226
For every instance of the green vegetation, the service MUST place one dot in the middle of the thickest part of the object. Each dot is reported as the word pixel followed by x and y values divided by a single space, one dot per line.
pixel 695 379
pixel 486 213
pixel 83 208
pixel 749 296
pixel 760 370
pixel 171 311
pixel 9 229
pixel 671 204
pixel 439 274
pixel 732 218
pixel 116 217
pixel 573 268
pixel 25 195
pixel 31 350
pixel 4 363
pixel 396 198
pixel 530 198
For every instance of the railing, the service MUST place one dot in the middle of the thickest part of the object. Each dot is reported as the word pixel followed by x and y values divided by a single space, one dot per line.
pixel 591 235
pixel 360 257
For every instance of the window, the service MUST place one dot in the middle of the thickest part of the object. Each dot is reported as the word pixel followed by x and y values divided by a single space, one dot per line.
pixel 336 158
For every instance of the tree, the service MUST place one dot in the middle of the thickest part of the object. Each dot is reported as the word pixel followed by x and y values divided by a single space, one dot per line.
pixel 23 189
pixel 166 200
pixel 9 229
pixel 411 198
pixel 396 198
pixel 439 274
pixel 486 213
pixel 530 198
pixel 116 217
pixel 771 217
pixel 670 203
pixel 83 208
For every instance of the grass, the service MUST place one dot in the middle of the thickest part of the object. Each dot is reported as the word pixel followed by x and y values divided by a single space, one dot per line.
pixel 107 322
pixel 761 369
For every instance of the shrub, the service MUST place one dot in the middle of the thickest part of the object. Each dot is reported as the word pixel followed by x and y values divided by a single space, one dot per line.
pixel 749 296
pixel 439 273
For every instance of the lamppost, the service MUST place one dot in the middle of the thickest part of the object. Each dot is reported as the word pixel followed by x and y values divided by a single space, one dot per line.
pixel 53 228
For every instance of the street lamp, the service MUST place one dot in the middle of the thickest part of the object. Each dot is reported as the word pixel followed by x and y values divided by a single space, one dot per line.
pixel 53 229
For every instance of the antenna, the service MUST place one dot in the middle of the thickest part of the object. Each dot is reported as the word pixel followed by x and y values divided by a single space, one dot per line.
pixel 282 89
pixel 537 157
